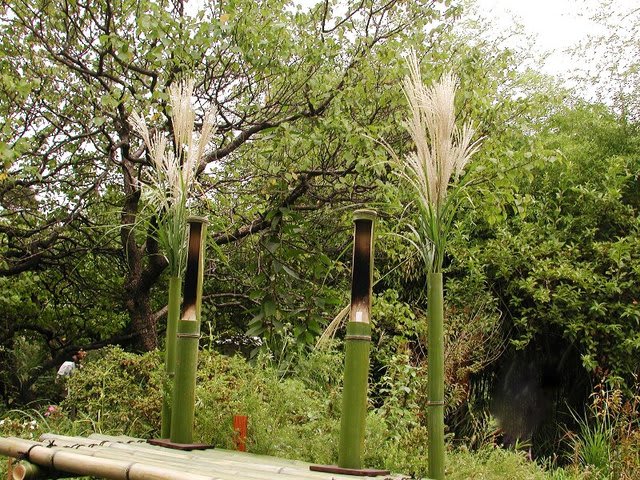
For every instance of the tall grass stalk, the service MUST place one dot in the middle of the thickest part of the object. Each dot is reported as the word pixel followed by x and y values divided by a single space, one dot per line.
pixel 593 446
pixel 432 172
pixel 174 170
pixel 172 179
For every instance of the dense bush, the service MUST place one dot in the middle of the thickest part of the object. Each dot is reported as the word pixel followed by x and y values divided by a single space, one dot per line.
pixel 118 392
pixel 294 417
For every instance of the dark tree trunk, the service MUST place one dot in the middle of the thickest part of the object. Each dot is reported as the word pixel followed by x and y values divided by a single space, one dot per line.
pixel 9 383
pixel 143 321
pixel 144 264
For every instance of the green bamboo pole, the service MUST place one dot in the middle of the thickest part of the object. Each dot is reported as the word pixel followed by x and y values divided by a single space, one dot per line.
pixel 354 395
pixel 357 344
pixel 187 337
pixel 435 375
pixel 173 317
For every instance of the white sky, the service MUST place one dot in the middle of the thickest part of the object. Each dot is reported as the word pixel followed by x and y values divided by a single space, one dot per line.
pixel 557 25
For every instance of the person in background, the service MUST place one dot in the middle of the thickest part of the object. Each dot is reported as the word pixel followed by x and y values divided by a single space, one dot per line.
pixel 68 367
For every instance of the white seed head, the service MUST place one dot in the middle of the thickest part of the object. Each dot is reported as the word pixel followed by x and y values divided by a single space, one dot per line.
pixel 174 171
pixel 442 149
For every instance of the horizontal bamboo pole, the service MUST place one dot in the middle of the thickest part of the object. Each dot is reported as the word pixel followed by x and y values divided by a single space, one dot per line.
pixel 206 455
pixel 248 466
pixel 24 470
pixel 214 452
pixel 68 461
pixel 164 457
pixel 170 463
pixel 214 461
pixel 224 468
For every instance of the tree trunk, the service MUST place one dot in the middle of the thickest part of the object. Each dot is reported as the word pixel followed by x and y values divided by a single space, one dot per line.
pixel 143 321
pixel 141 275
pixel 9 383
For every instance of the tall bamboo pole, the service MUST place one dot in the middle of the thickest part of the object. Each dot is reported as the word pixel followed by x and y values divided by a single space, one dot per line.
pixel 432 173
pixel 173 316
pixel 435 375
pixel 187 337
pixel 357 344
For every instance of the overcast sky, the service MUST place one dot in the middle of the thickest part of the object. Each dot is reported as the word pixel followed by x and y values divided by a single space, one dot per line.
pixel 556 24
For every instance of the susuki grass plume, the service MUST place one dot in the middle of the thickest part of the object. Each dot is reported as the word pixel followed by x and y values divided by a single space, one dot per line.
pixel 442 151
pixel 174 169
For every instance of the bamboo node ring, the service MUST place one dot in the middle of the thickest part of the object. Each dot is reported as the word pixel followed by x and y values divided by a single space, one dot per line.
pixel 25 455
pixel 188 335
pixel 128 469
pixel 366 338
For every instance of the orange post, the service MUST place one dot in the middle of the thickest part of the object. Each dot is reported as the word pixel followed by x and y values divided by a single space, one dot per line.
pixel 240 429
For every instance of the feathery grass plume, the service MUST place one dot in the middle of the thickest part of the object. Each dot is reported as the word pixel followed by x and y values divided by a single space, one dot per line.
pixel 174 169
pixel 442 151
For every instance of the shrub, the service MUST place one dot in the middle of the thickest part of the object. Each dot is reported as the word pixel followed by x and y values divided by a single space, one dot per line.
pixel 608 441
pixel 294 417
pixel 286 418
pixel 117 392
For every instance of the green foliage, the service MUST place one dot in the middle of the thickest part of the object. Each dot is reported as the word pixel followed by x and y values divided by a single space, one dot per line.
pixel 565 257
pixel 295 88
pixel 491 463
pixel 230 386
pixel 607 441
pixel 594 448
pixel 546 248
pixel 293 417
pixel 116 391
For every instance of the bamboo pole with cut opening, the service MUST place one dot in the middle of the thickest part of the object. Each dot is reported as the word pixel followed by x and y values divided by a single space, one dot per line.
pixel 188 335
pixel 23 470
pixel 28 471
pixel 357 344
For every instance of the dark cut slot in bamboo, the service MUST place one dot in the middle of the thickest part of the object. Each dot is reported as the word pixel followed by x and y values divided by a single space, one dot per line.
pixel 187 340
pixel 357 345
pixel 192 271
pixel 361 276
